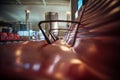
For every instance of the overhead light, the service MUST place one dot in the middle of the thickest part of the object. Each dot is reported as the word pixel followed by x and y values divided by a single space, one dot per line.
pixel 27 11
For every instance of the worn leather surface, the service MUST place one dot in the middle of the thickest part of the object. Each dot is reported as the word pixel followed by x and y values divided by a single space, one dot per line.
pixel 94 56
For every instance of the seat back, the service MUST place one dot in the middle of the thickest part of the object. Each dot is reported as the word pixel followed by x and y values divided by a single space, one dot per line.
pixel 71 33
pixel 97 40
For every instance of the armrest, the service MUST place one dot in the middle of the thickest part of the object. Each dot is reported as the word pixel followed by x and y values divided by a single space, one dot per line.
pixel 47 21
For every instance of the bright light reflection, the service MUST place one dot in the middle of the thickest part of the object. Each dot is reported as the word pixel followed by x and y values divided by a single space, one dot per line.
pixel 57 58
pixel 115 10
pixel 58 75
pixel 64 48
pixel 62 42
pixel 75 61
pixel 18 52
pixel 36 67
pixel 26 42
pixel 27 11
pixel 113 3
pixel 27 66
pixel 51 68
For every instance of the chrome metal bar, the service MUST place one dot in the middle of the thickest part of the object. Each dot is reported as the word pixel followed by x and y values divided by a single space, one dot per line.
pixel 46 21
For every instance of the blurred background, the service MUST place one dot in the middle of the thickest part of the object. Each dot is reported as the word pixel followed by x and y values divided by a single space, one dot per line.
pixel 22 16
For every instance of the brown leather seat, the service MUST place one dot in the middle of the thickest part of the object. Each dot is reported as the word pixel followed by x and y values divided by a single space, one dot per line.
pixel 93 56
pixel 97 42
